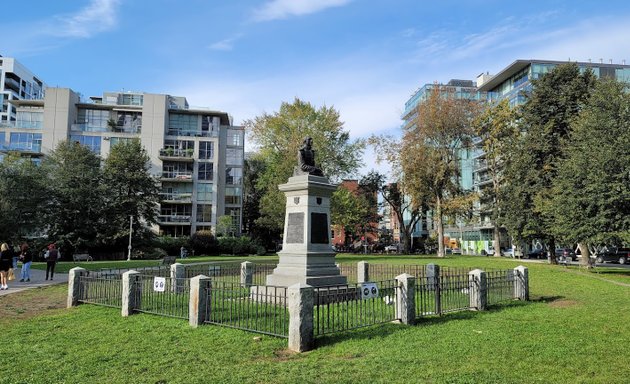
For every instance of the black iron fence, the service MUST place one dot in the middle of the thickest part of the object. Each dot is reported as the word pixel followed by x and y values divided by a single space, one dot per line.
pixel 436 295
pixel 500 286
pixel 345 307
pixel 164 296
pixel 101 290
pixel 261 309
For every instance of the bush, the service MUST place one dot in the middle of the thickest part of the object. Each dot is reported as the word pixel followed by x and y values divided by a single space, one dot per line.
pixel 203 243
pixel 237 245
pixel 148 254
pixel 171 245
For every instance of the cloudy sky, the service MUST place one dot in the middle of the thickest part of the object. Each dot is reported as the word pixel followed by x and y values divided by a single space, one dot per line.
pixel 363 57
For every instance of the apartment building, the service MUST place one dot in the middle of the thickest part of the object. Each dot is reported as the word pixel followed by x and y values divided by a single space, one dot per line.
pixel 196 153
pixel 16 83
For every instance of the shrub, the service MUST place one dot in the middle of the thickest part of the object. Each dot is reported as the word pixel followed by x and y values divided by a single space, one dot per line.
pixel 171 245
pixel 237 245
pixel 203 243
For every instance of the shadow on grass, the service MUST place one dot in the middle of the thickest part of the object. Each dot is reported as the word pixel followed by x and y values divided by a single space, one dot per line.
pixel 612 272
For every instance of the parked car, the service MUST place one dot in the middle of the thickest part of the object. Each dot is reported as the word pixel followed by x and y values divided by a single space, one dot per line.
pixel 537 254
pixel 391 248
pixel 615 255
pixel 456 251
pixel 488 251
pixel 508 252
pixel 566 253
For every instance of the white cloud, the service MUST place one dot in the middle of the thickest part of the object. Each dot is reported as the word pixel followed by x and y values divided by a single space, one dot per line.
pixel 282 9
pixel 225 44
pixel 98 16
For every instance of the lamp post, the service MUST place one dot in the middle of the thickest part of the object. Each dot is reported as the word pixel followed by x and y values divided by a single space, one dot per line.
pixel 130 232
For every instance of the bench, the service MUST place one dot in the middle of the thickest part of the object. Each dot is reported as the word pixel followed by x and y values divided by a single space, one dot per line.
pixel 168 260
pixel 81 257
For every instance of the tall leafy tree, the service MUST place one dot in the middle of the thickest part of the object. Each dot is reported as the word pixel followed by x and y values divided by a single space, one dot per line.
pixel 350 212
pixel 130 189
pixel 496 128
pixel 76 205
pixel 278 137
pixel 591 193
pixel 546 120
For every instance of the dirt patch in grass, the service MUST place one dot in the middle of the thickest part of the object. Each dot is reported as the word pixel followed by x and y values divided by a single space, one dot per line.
pixel 284 354
pixel 562 303
pixel 32 302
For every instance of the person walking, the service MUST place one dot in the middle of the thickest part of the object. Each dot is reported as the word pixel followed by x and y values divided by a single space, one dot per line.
pixel 27 259
pixel 51 256
pixel 6 260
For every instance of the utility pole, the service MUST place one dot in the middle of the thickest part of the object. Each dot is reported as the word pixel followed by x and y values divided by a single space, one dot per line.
pixel 130 232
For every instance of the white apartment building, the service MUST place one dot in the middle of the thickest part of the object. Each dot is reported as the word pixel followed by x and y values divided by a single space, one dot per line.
pixel 16 83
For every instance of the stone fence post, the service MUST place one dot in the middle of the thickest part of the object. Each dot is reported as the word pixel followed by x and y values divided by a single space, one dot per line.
pixel 405 299
pixel 178 273
pixel 131 292
pixel 521 283
pixel 433 283
pixel 300 304
pixel 363 272
pixel 478 290
pixel 200 287
pixel 74 285
pixel 247 273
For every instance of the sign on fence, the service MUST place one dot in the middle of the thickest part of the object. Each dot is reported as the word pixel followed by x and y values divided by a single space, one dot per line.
pixel 369 291
pixel 159 283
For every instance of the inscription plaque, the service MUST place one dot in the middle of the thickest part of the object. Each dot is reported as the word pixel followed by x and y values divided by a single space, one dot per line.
pixel 319 228
pixel 295 228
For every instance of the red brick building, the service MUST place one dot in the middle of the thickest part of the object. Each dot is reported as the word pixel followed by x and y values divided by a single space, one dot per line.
pixel 339 236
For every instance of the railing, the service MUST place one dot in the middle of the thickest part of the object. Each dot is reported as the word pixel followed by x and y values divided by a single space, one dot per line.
pixel 342 308
pixel 500 286
pixel 176 132
pixel 172 302
pixel 175 196
pixel 174 219
pixel 257 309
pixel 170 152
pixel 230 272
pixel 177 175
pixel 442 294
pixel 101 290
pixel 152 271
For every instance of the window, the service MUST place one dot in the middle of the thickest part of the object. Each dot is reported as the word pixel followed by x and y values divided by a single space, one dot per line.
pixel 129 122
pixel 180 124
pixel 129 99
pixel 206 149
pixel 234 156
pixel 233 176
pixel 92 120
pixel 235 214
pixel 235 137
pixel 32 120
pixel 92 142
pixel 204 213
pixel 26 141
pixel 113 141
pixel 204 192
pixel 205 171
pixel 232 195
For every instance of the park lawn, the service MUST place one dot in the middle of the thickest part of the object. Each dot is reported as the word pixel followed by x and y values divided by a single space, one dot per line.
pixel 575 330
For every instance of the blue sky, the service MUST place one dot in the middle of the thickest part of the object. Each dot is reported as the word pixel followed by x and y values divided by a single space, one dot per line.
pixel 364 57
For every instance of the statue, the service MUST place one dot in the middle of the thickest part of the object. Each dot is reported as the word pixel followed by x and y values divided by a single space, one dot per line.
pixel 306 160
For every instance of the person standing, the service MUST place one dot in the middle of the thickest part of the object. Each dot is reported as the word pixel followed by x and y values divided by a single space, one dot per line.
pixel 6 259
pixel 51 259
pixel 27 259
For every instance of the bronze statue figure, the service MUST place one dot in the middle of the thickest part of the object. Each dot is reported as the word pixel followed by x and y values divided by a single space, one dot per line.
pixel 306 160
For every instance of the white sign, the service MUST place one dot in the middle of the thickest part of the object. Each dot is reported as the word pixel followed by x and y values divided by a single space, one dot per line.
pixel 369 291
pixel 159 283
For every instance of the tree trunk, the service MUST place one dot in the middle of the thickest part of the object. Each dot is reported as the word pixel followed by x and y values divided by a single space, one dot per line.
pixel 586 256
pixel 552 251
pixel 440 226
pixel 496 241
pixel 406 241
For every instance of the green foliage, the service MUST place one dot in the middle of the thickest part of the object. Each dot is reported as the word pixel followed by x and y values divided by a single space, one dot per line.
pixel 237 245
pixel 279 136
pixel 350 212
pixel 224 226
pixel 203 243
pixel 171 245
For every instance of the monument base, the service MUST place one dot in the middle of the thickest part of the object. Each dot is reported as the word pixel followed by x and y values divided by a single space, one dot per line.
pixel 316 269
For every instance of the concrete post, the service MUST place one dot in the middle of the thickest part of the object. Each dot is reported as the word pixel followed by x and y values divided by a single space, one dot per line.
pixel 521 283
pixel 200 286
pixel 433 283
pixel 478 290
pixel 300 304
pixel 247 273
pixel 363 272
pixel 178 274
pixel 405 299
pixel 131 292
pixel 74 286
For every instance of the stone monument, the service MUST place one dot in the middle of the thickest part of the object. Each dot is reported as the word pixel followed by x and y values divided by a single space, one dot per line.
pixel 307 256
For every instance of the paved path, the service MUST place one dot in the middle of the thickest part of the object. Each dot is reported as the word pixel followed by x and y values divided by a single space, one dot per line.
pixel 38 277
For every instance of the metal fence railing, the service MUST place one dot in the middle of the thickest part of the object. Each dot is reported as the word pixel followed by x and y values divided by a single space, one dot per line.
pixel 443 294
pixel 343 308
pixel 500 286
pixel 230 272
pixel 172 301
pixel 101 290
pixel 260 309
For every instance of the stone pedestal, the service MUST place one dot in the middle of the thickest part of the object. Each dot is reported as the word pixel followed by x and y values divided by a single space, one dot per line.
pixel 307 256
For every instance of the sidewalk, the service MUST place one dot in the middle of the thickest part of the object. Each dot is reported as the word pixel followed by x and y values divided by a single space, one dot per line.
pixel 38 277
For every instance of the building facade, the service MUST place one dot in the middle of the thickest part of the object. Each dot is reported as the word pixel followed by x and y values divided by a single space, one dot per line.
pixel 17 83
pixel 196 153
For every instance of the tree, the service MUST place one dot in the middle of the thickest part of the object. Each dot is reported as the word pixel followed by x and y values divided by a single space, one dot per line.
pixel 591 193
pixel 496 127
pixel 349 211
pixel 23 195
pixel 224 226
pixel 280 135
pixel 252 195
pixel 75 212
pixel 130 190
pixel 430 154
pixel 546 121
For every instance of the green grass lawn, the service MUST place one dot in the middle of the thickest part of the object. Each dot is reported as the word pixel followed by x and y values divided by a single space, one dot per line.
pixel 575 330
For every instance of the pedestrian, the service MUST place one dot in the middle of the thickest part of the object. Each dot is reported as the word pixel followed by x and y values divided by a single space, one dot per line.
pixel 27 258
pixel 51 256
pixel 14 257
pixel 6 259
pixel 183 252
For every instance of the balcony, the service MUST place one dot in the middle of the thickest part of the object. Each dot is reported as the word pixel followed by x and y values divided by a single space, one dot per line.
pixel 174 220
pixel 31 150
pixel 177 198
pixel 171 154
pixel 176 132
pixel 184 177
